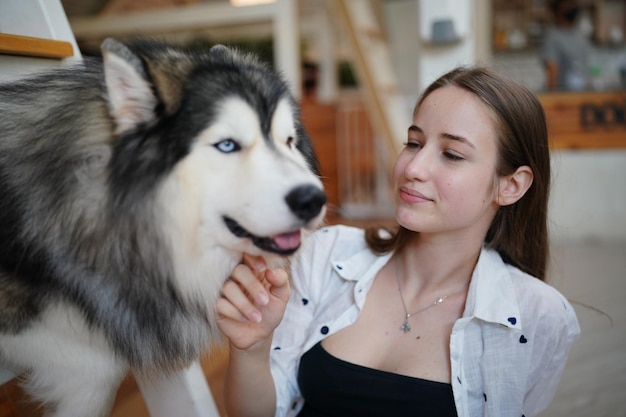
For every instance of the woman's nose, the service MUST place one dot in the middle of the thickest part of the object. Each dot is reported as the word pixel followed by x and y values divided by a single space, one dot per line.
pixel 421 165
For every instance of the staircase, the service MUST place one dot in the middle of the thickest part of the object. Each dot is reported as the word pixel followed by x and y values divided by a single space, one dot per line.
pixel 372 61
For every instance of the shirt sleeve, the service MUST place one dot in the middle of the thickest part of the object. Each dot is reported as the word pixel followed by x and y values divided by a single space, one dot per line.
pixel 557 330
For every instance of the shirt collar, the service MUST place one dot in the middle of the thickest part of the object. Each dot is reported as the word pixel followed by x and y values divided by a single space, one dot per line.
pixel 491 296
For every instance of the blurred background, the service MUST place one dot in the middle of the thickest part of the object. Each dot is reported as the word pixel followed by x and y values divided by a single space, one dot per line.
pixel 357 68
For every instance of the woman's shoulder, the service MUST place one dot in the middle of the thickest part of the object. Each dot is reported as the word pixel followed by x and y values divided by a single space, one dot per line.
pixel 528 286
pixel 500 290
pixel 541 303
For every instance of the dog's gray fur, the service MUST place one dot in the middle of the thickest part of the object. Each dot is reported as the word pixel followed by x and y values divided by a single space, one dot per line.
pixel 81 225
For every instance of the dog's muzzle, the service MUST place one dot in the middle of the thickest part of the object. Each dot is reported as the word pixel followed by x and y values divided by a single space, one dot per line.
pixel 305 202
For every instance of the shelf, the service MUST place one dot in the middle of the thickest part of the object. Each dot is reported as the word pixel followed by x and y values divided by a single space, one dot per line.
pixel 530 19
pixel 34 47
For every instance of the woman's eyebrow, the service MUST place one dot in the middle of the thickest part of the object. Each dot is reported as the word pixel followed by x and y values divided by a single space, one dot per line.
pixel 449 136
pixel 458 138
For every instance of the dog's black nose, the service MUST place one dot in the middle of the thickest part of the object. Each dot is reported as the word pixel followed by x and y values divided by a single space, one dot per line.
pixel 306 201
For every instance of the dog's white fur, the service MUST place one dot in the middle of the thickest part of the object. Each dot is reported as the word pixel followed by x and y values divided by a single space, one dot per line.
pixel 59 349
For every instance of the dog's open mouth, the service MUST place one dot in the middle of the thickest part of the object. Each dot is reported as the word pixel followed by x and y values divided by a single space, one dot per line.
pixel 283 244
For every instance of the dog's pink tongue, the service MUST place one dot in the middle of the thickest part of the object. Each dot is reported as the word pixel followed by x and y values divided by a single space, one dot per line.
pixel 288 241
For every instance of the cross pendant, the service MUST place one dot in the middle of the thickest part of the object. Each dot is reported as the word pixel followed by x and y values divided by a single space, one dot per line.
pixel 406 327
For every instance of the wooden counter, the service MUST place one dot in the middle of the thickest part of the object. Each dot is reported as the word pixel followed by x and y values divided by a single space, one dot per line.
pixel 586 120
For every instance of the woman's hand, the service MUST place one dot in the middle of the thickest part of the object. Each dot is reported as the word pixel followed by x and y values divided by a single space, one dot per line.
pixel 253 302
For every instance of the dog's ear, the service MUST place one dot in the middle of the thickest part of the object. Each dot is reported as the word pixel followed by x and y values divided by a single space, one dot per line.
pixel 220 52
pixel 131 98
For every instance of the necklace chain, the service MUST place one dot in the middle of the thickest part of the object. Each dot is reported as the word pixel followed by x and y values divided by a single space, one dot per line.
pixel 406 327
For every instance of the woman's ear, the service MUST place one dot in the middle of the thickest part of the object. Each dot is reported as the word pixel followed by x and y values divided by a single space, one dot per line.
pixel 513 187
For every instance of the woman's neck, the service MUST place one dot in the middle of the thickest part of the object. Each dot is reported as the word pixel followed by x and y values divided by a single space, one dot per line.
pixel 436 264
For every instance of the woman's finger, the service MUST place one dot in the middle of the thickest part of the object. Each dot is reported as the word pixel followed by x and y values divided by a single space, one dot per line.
pixel 226 310
pixel 251 283
pixel 279 280
pixel 257 263
pixel 236 296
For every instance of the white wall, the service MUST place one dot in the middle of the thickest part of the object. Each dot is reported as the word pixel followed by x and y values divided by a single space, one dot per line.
pixel 401 23
pixel 418 61
pixel 436 59
pixel 589 195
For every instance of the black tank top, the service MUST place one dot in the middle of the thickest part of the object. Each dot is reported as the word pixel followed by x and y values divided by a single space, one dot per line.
pixel 332 387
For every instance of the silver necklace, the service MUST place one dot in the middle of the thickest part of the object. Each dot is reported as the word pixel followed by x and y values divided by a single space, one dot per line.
pixel 406 327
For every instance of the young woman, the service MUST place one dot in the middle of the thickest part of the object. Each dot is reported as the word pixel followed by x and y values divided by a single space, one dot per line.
pixel 447 315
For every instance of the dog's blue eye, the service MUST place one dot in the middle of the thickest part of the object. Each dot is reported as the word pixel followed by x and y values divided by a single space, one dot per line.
pixel 227 146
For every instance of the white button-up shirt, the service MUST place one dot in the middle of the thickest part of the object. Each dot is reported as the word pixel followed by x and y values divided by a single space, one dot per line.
pixel 507 352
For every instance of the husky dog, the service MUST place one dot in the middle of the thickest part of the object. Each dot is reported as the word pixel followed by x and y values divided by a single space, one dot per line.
pixel 131 186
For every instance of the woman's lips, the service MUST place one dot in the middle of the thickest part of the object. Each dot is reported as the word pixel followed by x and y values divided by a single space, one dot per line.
pixel 409 195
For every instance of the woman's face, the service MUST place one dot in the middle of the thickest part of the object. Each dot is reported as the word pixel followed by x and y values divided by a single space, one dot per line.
pixel 445 176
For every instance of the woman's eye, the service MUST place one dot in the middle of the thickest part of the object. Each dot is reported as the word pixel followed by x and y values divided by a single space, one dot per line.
pixel 412 145
pixel 452 156
pixel 227 146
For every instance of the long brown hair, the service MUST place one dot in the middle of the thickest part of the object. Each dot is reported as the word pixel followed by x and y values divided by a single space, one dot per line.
pixel 519 232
